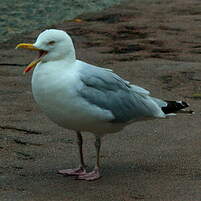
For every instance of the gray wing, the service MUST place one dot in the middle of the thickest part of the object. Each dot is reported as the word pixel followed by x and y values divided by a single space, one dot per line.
pixel 107 90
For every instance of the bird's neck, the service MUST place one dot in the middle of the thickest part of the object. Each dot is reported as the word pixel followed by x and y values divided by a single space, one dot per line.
pixel 71 57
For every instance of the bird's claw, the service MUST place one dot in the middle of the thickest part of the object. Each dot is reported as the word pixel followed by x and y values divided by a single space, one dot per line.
pixel 90 176
pixel 73 172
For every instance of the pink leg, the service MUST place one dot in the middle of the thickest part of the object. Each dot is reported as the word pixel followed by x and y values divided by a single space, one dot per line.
pixel 77 171
pixel 95 174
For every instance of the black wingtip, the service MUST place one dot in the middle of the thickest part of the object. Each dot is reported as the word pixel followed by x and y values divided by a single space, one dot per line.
pixel 184 104
pixel 174 106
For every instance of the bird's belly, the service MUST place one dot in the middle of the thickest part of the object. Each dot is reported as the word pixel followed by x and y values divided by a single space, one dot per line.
pixel 66 108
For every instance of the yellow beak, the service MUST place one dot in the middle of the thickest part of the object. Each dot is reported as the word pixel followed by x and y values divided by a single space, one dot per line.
pixel 34 62
pixel 26 46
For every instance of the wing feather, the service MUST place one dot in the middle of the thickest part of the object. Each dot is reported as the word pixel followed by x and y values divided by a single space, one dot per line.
pixel 107 90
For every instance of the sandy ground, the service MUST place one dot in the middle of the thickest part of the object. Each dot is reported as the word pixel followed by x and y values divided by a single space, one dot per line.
pixel 156 46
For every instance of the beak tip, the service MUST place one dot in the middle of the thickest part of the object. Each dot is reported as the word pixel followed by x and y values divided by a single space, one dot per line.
pixel 19 45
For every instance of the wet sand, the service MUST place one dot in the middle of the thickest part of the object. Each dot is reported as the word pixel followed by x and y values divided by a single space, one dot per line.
pixel 156 46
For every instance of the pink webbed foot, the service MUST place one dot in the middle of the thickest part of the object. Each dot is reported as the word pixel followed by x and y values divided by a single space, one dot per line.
pixel 73 172
pixel 90 176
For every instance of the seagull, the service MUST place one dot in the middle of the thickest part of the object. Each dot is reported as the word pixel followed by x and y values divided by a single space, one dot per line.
pixel 83 97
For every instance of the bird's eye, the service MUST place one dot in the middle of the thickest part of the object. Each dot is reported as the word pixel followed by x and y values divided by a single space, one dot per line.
pixel 51 42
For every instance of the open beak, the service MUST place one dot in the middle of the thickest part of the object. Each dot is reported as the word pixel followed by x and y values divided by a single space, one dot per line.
pixel 35 61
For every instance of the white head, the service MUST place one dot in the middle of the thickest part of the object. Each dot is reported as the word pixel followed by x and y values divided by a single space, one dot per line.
pixel 52 45
pixel 56 43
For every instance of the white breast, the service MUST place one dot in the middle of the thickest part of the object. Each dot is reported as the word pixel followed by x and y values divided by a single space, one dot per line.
pixel 55 89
